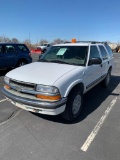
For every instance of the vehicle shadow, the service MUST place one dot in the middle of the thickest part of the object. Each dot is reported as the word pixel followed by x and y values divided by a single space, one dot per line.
pixel 92 100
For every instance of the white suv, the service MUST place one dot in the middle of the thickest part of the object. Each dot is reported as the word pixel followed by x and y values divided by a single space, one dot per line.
pixel 57 82
pixel 44 46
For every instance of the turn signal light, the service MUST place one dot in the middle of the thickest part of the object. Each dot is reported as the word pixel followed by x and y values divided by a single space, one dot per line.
pixel 6 86
pixel 57 97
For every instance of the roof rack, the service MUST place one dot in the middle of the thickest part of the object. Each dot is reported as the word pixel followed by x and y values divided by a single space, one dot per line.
pixel 92 42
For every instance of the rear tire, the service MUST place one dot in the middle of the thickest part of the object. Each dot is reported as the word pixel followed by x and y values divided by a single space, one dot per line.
pixel 21 63
pixel 106 81
pixel 74 105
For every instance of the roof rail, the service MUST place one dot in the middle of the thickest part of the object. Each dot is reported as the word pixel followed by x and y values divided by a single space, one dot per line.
pixel 92 42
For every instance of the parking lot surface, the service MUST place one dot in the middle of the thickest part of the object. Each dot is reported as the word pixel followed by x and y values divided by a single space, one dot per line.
pixel 94 136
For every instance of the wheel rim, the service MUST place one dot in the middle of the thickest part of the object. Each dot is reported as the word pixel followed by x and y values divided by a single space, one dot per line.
pixel 21 64
pixel 76 104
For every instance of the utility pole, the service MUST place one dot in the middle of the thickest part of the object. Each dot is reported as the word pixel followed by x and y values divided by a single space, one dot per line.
pixel 29 36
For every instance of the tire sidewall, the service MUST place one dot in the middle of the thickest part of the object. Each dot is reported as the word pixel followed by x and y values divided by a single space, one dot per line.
pixel 107 79
pixel 69 104
pixel 106 82
pixel 19 63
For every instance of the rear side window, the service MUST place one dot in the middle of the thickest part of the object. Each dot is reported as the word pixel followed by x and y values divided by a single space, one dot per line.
pixel 23 48
pixel 109 50
pixel 103 52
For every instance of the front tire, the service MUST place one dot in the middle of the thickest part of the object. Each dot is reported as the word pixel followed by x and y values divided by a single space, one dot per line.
pixel 74 105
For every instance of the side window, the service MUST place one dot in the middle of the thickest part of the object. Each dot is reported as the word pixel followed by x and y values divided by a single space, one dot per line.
pixel 22 48
pixel 109 50
pixel 48 45
pixel 103 52
pixel 94 53
pixel 9 49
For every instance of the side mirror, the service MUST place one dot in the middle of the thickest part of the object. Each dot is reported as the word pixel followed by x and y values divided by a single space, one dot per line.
pixel 95 61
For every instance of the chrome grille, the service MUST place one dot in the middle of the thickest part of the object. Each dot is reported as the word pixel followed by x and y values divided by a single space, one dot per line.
pixel 22 85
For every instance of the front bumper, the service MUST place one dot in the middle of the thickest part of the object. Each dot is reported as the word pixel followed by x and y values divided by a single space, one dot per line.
pixel 39 106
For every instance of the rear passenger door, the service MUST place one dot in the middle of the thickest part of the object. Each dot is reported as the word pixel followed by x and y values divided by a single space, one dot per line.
pixel 105 60
pixel 2 58
pixel 10 55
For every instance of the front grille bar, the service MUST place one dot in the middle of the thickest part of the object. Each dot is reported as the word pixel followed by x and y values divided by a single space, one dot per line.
pixel 22 85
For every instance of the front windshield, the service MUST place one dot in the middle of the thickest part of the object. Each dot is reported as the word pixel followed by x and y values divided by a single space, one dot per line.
pixel 73 55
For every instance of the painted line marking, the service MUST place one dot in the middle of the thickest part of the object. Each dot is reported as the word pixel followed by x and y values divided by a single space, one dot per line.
pixel 3 100
pixel 98 126
pixel 11 117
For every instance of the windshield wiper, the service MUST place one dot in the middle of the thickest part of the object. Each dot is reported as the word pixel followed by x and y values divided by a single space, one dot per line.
pixel 43 60
pixel 63 62
pixel 58 61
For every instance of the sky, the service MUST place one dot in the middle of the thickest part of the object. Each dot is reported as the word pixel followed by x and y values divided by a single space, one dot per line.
pixel 96 20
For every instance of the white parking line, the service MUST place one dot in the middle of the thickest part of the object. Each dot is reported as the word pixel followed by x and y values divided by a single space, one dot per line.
pixel 3 100
pixel 98 126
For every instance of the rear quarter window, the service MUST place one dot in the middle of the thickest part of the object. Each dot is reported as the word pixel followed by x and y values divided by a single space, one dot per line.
pixel 109 50
pixel 103 52
pixel 23 48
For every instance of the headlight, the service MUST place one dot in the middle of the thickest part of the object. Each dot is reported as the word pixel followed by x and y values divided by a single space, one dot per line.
pixel 48 93
pixel 47 89
pixel 7 80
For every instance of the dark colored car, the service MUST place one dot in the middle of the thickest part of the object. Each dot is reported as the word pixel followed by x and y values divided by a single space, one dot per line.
pixel 14 55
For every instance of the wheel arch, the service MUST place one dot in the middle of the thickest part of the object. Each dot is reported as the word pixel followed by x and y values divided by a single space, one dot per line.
pixel 21 59
pixel 73 87
pixel 110 68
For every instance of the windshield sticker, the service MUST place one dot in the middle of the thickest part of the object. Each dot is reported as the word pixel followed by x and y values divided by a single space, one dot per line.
pixel 61 51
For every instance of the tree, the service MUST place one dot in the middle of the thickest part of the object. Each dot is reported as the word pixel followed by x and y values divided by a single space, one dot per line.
pixel 15 40
pixel 43 41
pixel 27 42
pixel 58 41
pixel 4 39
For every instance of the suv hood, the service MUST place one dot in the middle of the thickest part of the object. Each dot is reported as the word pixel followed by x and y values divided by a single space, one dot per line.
pixel 40 72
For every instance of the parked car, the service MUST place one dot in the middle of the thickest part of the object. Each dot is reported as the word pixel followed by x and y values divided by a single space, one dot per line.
pixel 44 46
pixel 56 84
pixel 14 55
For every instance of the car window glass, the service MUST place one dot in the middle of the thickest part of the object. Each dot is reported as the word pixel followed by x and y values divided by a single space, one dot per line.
pixel 94 53
pixel 68 54
pixel 10 49
pixel 109 50
pixel 103 52
pixel 22 48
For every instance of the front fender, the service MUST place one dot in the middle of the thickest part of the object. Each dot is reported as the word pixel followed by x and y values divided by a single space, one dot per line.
pixel 71 86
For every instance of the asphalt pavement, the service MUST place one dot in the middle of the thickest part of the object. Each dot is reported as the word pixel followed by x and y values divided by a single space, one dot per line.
pixel 6 111
pixel 94 136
